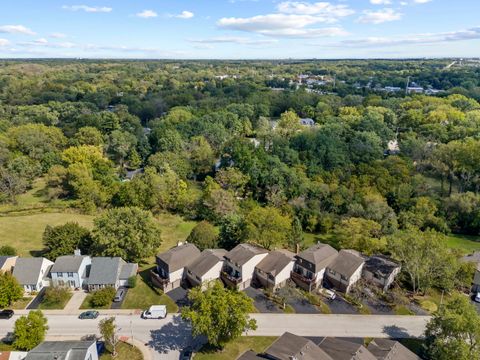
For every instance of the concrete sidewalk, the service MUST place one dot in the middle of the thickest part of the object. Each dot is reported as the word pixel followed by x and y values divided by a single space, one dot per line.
pixel 75 301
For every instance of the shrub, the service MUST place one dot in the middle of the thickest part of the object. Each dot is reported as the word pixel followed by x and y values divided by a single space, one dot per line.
pixel 103 297
pixel 132 281
pixel 7 250
pixel 56 295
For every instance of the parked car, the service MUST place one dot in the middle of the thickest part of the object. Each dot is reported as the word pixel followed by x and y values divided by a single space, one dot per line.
pixel 119 295
pixel 6 314
pixel 91 314
pixel 329 294
pixel 477 297
pixel 186 354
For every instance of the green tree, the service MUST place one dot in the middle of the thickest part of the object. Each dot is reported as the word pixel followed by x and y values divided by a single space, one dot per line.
pixel 267 227
pixel 129 232
pixel 7 250
pixel 289 123
pixel 204 236
pixel 29 331
pixel 88 135
pixel 232 230
pixel 297 237
pixel 11 185
pixel 65 239
pixel 102 297
pixel 219 313
pixel 10 289
pixel 454 331
pixel 360 234
pixel 108 329
pixel 202 156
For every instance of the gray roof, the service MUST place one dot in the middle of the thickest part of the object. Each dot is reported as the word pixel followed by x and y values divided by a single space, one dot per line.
pixel 60 350
pixel 289 345
pixel 346 263
pixel 242 253
pixel 69 263
pixel 128 270
pixel 340 349
pixel 179 256
pixel 321 255
pixel 386 349
pixel 207 259
pixel 27 270
pixel 381 265
pixel 105 270
pixel 276 261
pixel 249 355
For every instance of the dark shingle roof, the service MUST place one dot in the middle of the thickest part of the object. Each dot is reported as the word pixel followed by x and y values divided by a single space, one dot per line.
pixel 381 265
pixel 321 255
pixel 105 270
pixel 276 261
pixel 346 263
pixel 69 263
pixel 179 256
pixel 249 355
pixel 60 350
pixel 242 253
pixel 386 349
pixel 340 349
pixel 207 259
pixel 289 345
pixel 27 270
pixel 128 270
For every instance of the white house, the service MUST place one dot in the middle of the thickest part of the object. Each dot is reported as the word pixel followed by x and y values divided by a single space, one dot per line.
pixel 170 271
pixel 345 270
pixel 206 267
pixel 32 273
pixel 274 270
pixel 310 265
pixel 110 272
pixel 64 350
pixel 71 271
pixel 240 265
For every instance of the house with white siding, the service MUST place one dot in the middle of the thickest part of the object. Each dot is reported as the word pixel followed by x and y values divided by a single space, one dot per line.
pixel 274 270
pixel 240 263
pixel 32 273
pixel 71 271
pixel 110 272
pixel 206 268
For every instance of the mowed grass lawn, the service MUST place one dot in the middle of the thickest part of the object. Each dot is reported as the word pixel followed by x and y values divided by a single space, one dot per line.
pixel 124 352
pixel 24 232
pixel 237 347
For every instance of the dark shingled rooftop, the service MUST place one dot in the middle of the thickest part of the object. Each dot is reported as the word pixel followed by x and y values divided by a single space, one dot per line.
pixel 207 259
pixel 179 257
pixel 276 261
pixel 60 350
pixel 242 253
pixel 290 346
pixel 380 265
pixel 346 263
pixel 340 349
pixel 321 255
pixel 69 263
pixel 386 349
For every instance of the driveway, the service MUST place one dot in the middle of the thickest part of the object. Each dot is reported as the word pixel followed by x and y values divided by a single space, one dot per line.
pixel 261 302
pixel 35 303
pixel 297 301
pixel 76 300
pixel 118 304
pixel 340 306
pixel 179 295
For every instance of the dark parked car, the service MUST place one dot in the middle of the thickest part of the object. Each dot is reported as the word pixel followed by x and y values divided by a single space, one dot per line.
pixel 6 314
pixel 91 314
pixel 186 354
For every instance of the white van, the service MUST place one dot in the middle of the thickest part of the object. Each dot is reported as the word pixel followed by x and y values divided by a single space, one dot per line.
pixel 155 312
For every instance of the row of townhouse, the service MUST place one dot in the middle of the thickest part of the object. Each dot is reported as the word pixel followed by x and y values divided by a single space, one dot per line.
pixel 245 264
pixel 293 347
pixel 57 350
pixel 73 271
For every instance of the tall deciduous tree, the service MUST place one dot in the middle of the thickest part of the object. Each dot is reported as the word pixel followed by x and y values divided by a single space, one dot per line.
pixel 108 329
pixel 10 289
pixel 29 331
pixel 267 227
pixel 219 313
pixel 129 232
pixel 65 239
pixel 204 236
pixel 360 234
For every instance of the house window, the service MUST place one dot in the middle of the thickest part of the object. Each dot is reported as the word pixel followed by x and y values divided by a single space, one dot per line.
pixel 70 274
pixel 61 282
pixel 60 274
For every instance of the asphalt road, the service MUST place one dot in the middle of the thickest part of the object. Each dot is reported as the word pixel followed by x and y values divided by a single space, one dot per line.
pixel 168 336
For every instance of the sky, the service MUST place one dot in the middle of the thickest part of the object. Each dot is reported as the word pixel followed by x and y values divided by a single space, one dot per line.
pixel 239 29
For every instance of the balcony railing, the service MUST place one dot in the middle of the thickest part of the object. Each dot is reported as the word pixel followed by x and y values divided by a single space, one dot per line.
pixel 231 280
pixel 300 277
pixel 158 279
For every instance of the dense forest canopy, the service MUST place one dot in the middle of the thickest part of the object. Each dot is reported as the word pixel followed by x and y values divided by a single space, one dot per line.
pixel 222 141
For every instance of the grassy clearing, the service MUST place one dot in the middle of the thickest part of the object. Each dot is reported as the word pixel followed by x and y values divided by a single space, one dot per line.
pixel 465 243
pixel 124 352
pixel 237 347
pixel 403 310
pixel 174 229
pixel 21 304
pixel 24 233
pixel 45 305
pixel 142 296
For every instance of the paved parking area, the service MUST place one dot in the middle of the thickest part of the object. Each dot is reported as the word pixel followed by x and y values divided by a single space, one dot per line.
pixel 261 302
pixel 179 295
pixel 35 303
pixel 118 304
pixel 340 306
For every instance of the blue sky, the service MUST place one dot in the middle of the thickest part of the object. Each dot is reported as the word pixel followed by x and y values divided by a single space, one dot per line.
pixel 233 29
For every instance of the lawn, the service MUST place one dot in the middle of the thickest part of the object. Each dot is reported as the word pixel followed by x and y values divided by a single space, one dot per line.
pixel 466 243
pixel 142 296
pixel 174 229
pixel 21 304
pixel 124 352
pixel 44 305
pixel 24 232
pixel 87 305
pixel 237 347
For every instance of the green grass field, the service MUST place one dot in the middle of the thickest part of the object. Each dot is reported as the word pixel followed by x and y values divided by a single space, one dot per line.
pixel 465 243
pixel 237 347
pixel 124 352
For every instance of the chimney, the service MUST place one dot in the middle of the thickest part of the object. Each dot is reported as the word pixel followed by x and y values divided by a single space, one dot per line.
pixel 77 252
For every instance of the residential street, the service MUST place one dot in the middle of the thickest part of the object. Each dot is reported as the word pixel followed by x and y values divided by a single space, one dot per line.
pixel 166 337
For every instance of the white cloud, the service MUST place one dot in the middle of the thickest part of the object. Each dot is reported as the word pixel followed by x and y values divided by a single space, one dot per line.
pixel 233 40
pixel 58 35
pixel 414 39
pixel 318 8
pixel 4 42
pixel 380 16
pixel 421 1
pixel 380 2
pixel 147 14
pixel 89 9
pixel 16 29
pixel 185 15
